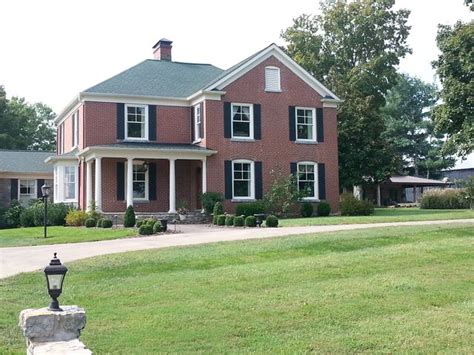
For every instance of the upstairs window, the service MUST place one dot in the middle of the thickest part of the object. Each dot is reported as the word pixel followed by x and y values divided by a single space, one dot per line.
pixel 136 122
pixel 197 122
pixel 75 129
pixel 272 79
pixel 305 124
pixel 307 179
pixel 242 121
pixel 27 190
pixel 242 179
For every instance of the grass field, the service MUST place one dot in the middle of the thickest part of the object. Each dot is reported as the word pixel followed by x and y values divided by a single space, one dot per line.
pixel 382 215
pixel 404 289
pixel 58 234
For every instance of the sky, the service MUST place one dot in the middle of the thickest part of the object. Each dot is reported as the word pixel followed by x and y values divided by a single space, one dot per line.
pixel 53 49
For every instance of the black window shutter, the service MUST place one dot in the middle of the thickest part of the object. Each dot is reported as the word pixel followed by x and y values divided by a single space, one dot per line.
pixel 13 189
pixel 227 119
pixel 258 180
pixel 192 124
pixel 152 181
pixel 120 181
pixel 120 121
pixel 322 181
pixel 152 122
pixel 201 128
pixel 39 183
pixel 293 168
pixel 257 121
pixel 319 125
pixel 228 179
pixel 292 122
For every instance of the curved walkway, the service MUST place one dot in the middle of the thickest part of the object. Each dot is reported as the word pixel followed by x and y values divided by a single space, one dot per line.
pixel 16 260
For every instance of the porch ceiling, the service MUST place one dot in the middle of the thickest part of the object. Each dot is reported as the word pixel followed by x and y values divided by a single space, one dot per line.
pixel 147 150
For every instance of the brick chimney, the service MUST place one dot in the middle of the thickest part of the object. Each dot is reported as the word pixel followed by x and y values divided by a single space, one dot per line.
pixel 162 49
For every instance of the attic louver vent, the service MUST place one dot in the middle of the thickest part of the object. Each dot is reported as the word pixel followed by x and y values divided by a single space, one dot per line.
pixel 272 79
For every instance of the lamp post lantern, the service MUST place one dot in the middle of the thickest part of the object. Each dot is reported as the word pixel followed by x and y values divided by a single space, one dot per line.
pixel 45 191
pixel 55 273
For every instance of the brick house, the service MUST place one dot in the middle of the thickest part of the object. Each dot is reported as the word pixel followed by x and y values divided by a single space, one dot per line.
pixel 22 173
pixel 162 132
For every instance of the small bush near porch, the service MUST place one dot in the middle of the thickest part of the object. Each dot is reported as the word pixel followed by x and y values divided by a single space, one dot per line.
pixel 390 290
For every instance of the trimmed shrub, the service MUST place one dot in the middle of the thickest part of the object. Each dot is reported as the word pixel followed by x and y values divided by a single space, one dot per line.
pixel 157 227
pixel 250 221
pixel 249 209
pixel 444 199
pixel 145 229
pixel 324 209
pixel 239 221
pixel 90 222
pixel 76 218
pixel 221 219
pixel 271 221
pixel 129 218
pixel 107 223
pixel 229 220
pixel 13 214
pixel 139 223
pixel 217 211
pixel 99 223
pixel 350 206
pixel 209 200
pixel 27 218
pixel 306 209
pixel 57 213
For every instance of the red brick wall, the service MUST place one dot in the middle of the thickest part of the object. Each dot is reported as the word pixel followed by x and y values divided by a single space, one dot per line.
pixel 275 150
pixel 173 124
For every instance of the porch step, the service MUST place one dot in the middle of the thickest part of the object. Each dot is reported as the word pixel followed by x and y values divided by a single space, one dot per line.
pixel 194 217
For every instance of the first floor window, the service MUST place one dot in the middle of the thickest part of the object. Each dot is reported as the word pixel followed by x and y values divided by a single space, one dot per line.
pixel 27 190
pixel 69 182
pixel 140 177
pixel 242 121
pixel 242 183
pixel 305 127
pixel 307 178
pixel 136 122
pixel 197 122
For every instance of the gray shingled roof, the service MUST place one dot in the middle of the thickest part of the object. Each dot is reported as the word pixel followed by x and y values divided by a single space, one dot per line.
pixel 159 78
pixel 24 161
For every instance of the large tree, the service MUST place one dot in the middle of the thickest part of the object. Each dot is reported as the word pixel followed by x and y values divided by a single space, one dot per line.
pixel 455 68
pixel 409 127
pixel 354 49
pixel 24 125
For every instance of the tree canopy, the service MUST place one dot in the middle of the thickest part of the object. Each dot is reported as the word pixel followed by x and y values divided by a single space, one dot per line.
pixel 354 49
pixel 409 127
pixel 455 68
pixel 25 126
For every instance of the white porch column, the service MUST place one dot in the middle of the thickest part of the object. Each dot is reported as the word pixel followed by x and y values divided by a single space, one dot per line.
pixel 204 175
pixel 88 185
pixel 129 182
pixel 98 183
pixel 172 194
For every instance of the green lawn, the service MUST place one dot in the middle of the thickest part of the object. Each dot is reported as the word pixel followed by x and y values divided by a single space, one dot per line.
pixel 34 235
pixel 382 215
pixel 390 290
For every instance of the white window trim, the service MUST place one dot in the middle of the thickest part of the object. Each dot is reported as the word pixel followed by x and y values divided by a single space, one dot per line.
pixel 75 183
pixel 33 195
pixel 252 180
pixel 75 128
pixel 314 124
pixel 251 133
pixel 126 123
pixel 59 192
pixel 316 180
pixel 267 89
pixel 197 132
pixel 147 183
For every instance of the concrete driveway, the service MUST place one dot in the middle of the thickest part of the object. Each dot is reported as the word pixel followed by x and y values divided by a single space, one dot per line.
pixel 25 259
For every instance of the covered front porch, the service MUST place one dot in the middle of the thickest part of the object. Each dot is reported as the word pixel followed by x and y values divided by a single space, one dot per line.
pixel 150 177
